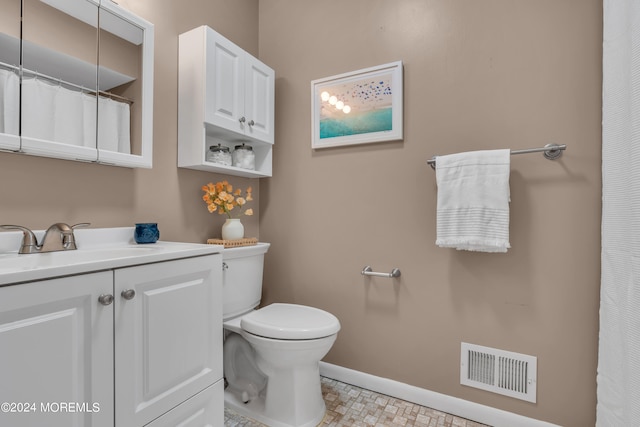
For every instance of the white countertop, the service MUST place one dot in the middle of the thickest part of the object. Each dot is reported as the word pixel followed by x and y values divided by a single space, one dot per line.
pixel 98 249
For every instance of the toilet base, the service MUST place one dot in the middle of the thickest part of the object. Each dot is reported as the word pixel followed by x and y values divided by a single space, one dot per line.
pixel 255 409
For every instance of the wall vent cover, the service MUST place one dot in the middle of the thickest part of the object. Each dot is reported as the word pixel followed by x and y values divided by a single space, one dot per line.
pixel 499 371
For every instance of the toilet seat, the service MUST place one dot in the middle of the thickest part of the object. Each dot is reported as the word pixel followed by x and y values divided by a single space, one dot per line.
pixel 290 322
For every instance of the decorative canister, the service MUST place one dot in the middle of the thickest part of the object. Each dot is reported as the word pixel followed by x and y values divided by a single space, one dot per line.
pixel 219 154
pixel 244 157
pixel 146 232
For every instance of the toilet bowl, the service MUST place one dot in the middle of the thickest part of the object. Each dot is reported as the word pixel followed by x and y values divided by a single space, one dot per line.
pixel 271 355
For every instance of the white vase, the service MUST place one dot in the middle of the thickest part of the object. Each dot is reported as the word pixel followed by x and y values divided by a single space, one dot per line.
pixel 232 229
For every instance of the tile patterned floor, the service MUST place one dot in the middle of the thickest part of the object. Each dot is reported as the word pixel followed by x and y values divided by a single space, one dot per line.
pixel 348 405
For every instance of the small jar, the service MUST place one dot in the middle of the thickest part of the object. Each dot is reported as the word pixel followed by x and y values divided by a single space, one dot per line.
pixel 219 154
pixel 244 157
pixel 146 232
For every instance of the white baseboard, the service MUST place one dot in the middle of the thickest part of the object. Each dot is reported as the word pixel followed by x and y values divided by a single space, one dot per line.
pixel 441 402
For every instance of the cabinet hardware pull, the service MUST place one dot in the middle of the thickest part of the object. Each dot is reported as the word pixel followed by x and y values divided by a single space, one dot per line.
pixel 251 123
pixel 242 119
pixel 105 299
pixel 128 294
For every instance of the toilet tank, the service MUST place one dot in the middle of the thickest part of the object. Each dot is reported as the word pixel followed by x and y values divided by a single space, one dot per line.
pixel 242 279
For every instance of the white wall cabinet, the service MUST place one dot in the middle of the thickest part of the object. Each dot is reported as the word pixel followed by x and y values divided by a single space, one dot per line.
pixel 157 347
pixel 225 96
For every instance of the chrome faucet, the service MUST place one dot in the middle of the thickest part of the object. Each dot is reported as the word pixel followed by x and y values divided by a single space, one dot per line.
pixel 59 237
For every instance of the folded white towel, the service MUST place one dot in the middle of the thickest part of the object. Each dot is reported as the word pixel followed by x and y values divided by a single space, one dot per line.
pixel 473 200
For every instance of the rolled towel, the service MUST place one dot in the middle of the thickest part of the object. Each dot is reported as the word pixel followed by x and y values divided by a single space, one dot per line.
pixel 473 200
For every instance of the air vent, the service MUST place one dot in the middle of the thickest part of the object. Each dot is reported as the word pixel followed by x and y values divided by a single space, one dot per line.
pixel 499 371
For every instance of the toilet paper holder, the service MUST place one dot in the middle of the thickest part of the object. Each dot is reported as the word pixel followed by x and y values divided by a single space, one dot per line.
pixel 368 271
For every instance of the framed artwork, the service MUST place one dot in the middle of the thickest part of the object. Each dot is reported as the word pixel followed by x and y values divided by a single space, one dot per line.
pixel 358 107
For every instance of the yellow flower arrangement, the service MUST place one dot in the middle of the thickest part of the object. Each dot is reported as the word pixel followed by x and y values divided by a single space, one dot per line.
pixel 222 198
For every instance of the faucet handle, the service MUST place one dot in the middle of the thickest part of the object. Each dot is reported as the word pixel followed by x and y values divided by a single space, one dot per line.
pixel 69 240
pixel 29 241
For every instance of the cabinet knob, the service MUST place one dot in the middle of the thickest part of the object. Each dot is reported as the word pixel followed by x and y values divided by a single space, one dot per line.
pixel 128 294
pixel 242 119
pixel 251 123
pixel 105 299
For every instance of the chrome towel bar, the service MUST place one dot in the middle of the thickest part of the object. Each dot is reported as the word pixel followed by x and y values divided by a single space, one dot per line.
pixel 368 271
pixel 551 152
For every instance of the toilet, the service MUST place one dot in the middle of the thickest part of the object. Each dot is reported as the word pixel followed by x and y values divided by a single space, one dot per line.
pixel 271 354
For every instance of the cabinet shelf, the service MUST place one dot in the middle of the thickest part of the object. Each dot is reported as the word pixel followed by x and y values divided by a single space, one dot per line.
pixel 229 170
pixel 59 66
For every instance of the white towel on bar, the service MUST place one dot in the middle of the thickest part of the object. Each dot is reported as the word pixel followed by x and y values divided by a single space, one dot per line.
pixel 473 200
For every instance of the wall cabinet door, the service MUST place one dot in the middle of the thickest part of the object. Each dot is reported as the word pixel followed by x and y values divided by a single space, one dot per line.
pixel 59 79
pixel 9 75
pixel 239 90
pixel 125 78
pixel 168 335
pixel 56 347
pixel 225 85
pixel 259 99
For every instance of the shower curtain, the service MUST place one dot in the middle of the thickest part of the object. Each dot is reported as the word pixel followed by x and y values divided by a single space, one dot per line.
pixel 618 375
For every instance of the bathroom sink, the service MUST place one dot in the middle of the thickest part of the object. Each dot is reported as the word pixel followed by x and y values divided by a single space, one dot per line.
pixel 98 249
pixel 24 262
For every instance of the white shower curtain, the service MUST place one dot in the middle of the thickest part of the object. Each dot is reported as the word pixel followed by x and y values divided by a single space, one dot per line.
pixel 52 112
pixel 619 345
pixel 9 102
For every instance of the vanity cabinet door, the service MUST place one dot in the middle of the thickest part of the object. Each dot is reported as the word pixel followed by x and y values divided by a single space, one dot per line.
pixel 56 352
pixel 205 409
pixel 9 75
pixel 168 335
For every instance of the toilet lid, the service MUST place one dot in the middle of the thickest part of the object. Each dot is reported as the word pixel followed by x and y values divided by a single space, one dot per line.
pixel 290 322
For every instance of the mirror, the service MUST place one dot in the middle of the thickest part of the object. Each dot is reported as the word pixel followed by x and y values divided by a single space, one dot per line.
pixel 59 66
pixel 85 81
pixel 10 75
pixel 120 77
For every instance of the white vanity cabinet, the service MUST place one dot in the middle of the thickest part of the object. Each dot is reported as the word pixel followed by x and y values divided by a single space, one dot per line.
pixel 151 355
pixel 225 96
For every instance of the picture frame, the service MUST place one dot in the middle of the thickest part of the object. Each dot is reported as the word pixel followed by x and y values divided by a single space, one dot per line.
pixel 358 107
